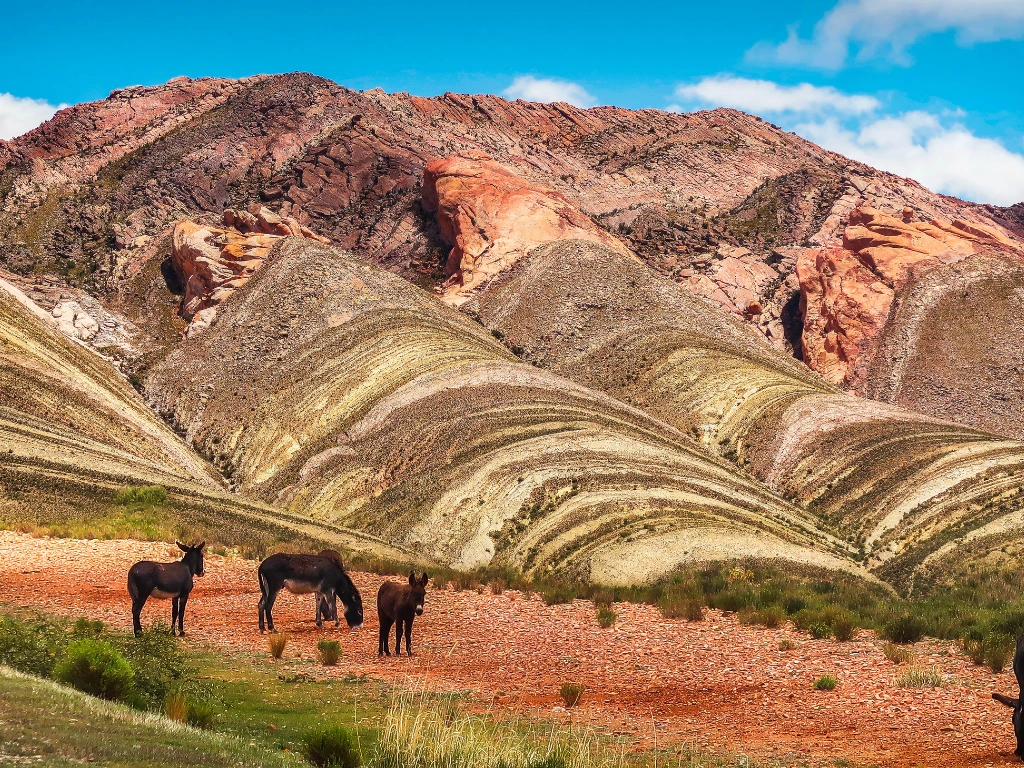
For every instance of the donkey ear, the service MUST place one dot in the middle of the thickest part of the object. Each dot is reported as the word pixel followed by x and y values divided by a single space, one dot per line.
pixel 423 579
pixel 1006 700
pixel 201 545
pixel 182 547
pixel 412 578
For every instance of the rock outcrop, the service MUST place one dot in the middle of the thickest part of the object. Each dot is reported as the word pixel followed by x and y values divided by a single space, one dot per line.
pixel 492 218
pixel 214 262
pixel 847 292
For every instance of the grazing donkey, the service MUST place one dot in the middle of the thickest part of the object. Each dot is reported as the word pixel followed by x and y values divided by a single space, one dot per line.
pixel 321 574
pixel 165 580
pixel 1017 718
pixel 399 604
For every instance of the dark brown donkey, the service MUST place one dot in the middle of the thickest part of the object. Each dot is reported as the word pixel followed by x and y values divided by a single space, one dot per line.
pixel 1017 718
pixel 399 604
pixel 322 575
pixel 165 580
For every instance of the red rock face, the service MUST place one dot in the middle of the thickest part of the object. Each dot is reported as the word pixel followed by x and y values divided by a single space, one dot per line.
pixel 847 292
pixel 214 262
pixel 492 218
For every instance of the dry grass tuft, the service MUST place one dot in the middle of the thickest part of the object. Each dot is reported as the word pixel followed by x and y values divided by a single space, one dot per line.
pixel 276 642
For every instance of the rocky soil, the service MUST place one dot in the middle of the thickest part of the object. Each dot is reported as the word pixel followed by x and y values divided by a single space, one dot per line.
pixel 714 684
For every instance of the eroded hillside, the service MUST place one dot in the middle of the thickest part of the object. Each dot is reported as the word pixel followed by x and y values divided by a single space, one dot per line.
pixel 342 393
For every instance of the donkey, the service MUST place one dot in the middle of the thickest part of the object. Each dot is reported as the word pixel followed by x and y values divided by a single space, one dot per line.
pixel 399 604
pixel 1017 718
pixel 165 580
pixel 304 574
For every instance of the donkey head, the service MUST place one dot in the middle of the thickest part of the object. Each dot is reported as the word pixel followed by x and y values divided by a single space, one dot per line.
pixel 193 557
pixel 419 591
pixel 1017 718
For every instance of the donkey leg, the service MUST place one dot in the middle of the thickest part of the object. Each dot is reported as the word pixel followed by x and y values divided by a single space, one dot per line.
pixel 408 637
pixel 262 609
pixel 385 637
pixel 174 613
pixel 137 604
pixel 268 607
pixel 398 637
pixel 181 614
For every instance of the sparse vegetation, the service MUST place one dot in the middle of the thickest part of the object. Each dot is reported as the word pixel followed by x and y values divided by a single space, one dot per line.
pixel 571 693
pixel 785 644
pixel 606 616
pixel 142 494
pixel 276 643
pixel 920 677
pixel 328 651
pixel 898 654
pixel 331 746
pixel 826 683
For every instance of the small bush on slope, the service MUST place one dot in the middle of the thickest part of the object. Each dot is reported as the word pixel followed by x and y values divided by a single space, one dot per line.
pixel 94 667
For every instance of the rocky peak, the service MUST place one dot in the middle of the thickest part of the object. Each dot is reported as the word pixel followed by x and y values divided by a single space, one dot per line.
pixel 492 218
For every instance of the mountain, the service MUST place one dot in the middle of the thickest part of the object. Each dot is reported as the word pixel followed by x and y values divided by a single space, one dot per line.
pixel 340 392
pixel 701 319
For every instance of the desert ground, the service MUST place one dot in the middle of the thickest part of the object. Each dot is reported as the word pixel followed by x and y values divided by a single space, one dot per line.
pixel 715 684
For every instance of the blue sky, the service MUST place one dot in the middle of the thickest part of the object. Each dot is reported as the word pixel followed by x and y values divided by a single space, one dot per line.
pixel 925 88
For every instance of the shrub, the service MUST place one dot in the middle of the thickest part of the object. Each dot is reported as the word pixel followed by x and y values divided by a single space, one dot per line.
pixel 201 714
pixel 826 683
pixel 30 646
pixel 329 651
pixel 785 644
pixel 793 604
pixel 603 597
pixel 571 693
pixel 330 746
pixel 176 707
pixel 820 630
pixel 998 650
pixel 898 654
pixel 747 616
pixel 498 586
pixel 606 616
pixel 770 617
pixel 904 629
pixel 276 642
pixel 142 494
pixel 917 677
pixel 974 650
pixel 681 607
pixel 159 662
pixel 844 627
pixel 95 667
pixel 558 594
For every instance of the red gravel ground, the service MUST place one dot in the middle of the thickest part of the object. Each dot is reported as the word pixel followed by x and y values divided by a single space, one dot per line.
pixel 715 684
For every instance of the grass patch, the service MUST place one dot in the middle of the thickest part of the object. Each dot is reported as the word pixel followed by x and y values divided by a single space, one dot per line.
pixel 826 683
pixel 331 745
pixel 920 677
pixel 606 616
pixel 328 651
pixel 898 654
pixel 571 693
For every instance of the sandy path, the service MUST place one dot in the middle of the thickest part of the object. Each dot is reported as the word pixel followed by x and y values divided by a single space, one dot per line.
pixel 715 683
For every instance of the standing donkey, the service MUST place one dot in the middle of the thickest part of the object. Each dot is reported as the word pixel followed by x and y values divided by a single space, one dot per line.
pixel 165 580
pixel 399 604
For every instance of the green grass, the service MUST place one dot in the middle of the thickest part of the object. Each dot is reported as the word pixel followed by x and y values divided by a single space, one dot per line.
pixel 46 724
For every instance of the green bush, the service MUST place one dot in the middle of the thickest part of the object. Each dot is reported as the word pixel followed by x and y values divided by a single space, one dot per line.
pixel 820 630
pixel 201 714
pixel 95 667
pixel 898 654
pixel 329 652
pixel 558 594
pixel 826 683
pixel 142 494
pixel 159 662
pixel 770 617
pixel 904 629
pixel 998 649
pixel 605 616
pixel 30 646
pixel 974 650
pixel 330 746
pixel 844 627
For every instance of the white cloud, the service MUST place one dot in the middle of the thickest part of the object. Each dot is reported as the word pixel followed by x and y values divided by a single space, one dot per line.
pixel 766 97
pixel 20 115
pixel 886 28
pixel 547 90
pixel 945 158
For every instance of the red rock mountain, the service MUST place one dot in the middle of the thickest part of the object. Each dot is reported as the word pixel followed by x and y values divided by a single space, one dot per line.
pixel 797 241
